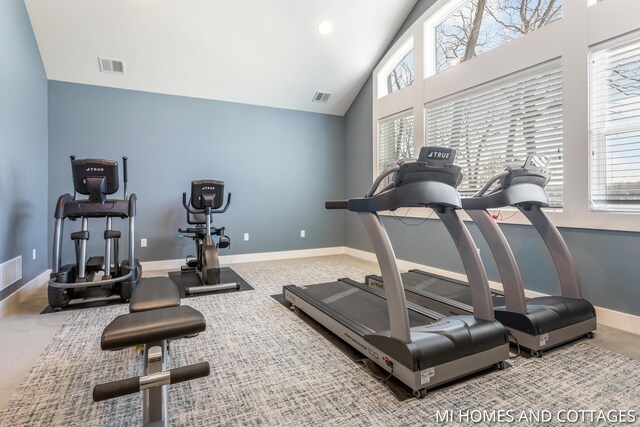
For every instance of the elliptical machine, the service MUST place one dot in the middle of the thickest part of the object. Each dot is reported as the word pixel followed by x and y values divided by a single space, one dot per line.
pixel 207 197
pixel 96 178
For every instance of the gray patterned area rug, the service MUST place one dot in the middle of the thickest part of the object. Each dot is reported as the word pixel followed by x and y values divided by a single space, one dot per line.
pixel 270 368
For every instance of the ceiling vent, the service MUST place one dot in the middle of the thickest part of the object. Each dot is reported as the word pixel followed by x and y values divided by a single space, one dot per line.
pixel 108 65
pixel 321 97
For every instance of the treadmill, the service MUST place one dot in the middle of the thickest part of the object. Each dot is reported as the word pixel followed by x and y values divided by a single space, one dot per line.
pixel 537 324
pixel 419 347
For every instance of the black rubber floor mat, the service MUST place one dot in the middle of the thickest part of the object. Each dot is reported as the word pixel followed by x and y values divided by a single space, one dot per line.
pixel 189 279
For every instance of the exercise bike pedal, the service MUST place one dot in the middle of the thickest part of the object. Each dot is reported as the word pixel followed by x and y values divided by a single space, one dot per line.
pixel 224 242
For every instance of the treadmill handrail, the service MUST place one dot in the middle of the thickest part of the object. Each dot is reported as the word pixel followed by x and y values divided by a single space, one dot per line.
pixel 385 173
pixel 558 249
pixel 489 183
pixel 399 327
pixel 476 274
pixel 510 276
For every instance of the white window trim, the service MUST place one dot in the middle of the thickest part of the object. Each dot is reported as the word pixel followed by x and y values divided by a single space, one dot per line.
pixel 583 25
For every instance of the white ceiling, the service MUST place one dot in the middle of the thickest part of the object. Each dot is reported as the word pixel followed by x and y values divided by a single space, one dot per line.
pixel 262 52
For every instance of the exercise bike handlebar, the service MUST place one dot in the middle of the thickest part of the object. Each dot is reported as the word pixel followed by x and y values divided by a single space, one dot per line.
pixel 187 206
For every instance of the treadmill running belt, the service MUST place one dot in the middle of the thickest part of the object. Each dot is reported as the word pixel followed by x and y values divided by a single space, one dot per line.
pixel 445 288
pixel 360 305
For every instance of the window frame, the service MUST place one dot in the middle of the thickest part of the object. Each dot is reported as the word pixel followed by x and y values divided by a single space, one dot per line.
pixel 633 37
pixel 569 40
pixel 392 63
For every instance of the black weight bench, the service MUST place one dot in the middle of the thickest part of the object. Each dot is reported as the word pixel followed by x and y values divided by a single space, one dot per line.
pixel 155 317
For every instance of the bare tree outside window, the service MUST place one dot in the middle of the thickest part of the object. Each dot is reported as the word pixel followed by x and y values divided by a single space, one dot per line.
pixel 481 25
pixel 402 75
pixel 395 141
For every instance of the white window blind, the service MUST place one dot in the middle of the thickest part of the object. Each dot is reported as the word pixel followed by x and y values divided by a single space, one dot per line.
pixel 395 140
pixel 500 124
pixel 615 127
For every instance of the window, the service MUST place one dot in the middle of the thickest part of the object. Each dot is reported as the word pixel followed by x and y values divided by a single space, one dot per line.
pixel 402 75
pixel 500 124
pixel 481 25
pixel 615 127
pixel 398 72
pixel 395 140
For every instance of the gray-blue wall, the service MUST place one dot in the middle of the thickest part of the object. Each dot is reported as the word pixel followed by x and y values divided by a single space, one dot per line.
pixel 281 165
pixel 606 260
pixel 23 143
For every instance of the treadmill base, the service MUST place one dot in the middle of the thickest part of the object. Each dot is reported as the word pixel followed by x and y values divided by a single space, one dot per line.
pixel 544 342
pixel 417 381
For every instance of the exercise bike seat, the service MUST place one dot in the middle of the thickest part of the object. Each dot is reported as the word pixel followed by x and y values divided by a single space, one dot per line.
pixel 154 293
pixel 146 327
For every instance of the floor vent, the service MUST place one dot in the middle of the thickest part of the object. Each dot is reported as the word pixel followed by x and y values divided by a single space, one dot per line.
pixel 108 65
pixel 10 272
pixel 321 97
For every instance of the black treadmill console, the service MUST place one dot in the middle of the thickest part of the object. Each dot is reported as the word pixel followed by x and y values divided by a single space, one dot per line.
pixel 433 164
pixel 534 171
pixel 207 193
pixel 96 178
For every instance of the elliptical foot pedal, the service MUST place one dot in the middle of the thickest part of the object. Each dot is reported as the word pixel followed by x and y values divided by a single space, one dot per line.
pixel 94 263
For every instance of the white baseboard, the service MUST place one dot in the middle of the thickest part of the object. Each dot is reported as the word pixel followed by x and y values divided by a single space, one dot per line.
pixel 175 264
pixel 19 295
pixel 615 319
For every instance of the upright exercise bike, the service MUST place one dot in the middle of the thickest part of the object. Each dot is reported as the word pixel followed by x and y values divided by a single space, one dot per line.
pixel 207 197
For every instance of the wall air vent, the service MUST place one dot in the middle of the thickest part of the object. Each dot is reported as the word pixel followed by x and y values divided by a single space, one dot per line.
pixel 108 65
pixel 10 272
pixel 321 97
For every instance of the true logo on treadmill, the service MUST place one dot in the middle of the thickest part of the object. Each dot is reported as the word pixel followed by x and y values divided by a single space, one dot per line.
pixel 439 155
pixel 95 169
pixel 208 188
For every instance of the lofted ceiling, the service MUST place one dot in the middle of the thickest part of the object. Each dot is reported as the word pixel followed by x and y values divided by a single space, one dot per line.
pixel 261 52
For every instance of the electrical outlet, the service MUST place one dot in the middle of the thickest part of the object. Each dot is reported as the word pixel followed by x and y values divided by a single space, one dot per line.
pixel 302 233
pixel 246 237
pixel 143 243
pixel 34 254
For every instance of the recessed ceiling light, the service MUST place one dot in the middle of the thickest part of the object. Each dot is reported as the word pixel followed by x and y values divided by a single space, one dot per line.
pixel 325 27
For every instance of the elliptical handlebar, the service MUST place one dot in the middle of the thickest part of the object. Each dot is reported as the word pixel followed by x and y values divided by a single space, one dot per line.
pixel 124 175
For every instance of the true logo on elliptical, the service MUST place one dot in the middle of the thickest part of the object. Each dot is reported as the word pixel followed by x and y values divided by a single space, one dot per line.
pixel 95 169
pixel 439 155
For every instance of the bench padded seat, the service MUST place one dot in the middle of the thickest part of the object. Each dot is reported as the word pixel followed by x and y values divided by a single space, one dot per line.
pixel 154 293
pixel 145 327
